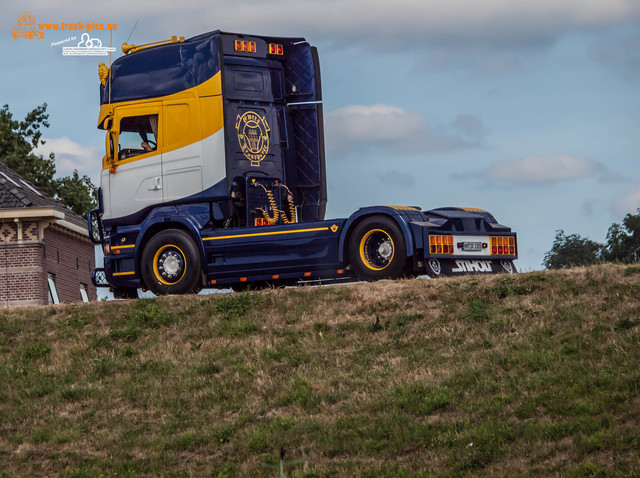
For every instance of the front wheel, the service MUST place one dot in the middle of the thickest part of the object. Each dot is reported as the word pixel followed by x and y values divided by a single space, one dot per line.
pixel 171 263
pixel 377 249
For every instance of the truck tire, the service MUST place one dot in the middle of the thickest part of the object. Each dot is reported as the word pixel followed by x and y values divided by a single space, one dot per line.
pixel 377 249
pixel 170 263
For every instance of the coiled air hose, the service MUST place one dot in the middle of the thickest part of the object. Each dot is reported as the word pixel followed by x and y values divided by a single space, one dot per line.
pixel 292 208
pixel 275 215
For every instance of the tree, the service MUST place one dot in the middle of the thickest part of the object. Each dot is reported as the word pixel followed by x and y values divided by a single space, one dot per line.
pixel 572 250
pixel 77 193
pixel 17 142
pixel 623 240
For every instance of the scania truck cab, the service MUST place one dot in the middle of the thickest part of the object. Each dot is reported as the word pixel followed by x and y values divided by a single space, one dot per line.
pixel 214 176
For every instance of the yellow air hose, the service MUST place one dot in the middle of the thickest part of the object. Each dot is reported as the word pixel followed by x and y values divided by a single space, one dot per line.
pixel 292 208
pixel 274 208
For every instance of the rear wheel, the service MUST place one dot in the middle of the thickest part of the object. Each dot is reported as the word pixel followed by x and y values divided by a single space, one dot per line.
pixel 170 263
pixel 377 249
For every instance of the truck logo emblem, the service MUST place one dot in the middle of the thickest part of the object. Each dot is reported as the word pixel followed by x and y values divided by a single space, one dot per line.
pixel 434 264
pixel 334 228
pixel 253 136
pixel 506 265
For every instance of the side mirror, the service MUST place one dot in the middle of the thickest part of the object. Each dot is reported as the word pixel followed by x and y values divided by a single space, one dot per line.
pixel 110 149
pixel 109 146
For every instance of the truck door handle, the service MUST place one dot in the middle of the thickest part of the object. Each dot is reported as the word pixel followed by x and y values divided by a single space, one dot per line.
pixel 156 184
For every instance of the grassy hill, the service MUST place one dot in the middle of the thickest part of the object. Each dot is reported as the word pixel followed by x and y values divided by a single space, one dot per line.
pixel 534 374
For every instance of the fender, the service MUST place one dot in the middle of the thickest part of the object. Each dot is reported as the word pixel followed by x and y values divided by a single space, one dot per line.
pixel 168 215
pixel 402 215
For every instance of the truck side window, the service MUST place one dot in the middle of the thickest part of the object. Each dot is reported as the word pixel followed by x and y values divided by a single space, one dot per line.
pixel 138 135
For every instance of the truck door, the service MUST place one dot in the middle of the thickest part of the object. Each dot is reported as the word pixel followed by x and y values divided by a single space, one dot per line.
pixel 137 180
pixel 181 150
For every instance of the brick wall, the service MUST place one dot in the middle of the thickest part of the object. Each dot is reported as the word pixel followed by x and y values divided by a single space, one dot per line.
pixel 70 259
pixel 21 275
pixel 26 261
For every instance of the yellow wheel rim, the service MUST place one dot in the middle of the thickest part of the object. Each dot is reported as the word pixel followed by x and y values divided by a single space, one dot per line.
pixel 377 249
pixel 169 264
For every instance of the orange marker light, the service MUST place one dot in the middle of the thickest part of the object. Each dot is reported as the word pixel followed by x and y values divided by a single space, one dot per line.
pixel 245 46
pixel 276 49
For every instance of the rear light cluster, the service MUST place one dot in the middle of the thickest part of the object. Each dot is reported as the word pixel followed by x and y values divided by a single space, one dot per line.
pixel 503 245
pixel 441 244
pixel 276 49
pixel 244 45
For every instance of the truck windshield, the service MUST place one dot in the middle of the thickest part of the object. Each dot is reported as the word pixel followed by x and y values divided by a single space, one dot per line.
pixel 138 135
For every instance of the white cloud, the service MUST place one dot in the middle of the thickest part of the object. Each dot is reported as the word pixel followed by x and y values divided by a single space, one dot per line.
pixel 396 130
pixel 71 155
pixel 378 24
pixel 536 170
pixel 629 204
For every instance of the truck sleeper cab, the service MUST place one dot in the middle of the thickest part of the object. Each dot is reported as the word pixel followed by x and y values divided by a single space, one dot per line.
pixel 214 176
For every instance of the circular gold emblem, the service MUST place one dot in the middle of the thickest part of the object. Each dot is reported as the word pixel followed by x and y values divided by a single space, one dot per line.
pixel 253 136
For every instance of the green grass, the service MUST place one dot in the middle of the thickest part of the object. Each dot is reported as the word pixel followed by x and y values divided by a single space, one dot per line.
pixel 524 375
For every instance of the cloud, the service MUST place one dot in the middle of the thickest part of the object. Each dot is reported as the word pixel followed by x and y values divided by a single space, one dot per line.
pixel 396 179
pixel 71 155
pixel 469 126
pixel 620 54
pixel 629 204
pixel 358 127
pixel 373 24
pixel 539 170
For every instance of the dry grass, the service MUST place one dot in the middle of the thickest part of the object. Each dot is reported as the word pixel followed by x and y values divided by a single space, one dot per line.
pixel 539 371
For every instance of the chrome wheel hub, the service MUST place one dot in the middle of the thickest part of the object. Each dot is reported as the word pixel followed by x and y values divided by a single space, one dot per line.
pixel 385 250
pixel 170 264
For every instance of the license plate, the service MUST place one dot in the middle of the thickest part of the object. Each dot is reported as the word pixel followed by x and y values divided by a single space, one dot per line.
pixel 472 246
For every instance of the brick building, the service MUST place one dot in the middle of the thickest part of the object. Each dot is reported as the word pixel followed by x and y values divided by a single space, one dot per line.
pixel 45 252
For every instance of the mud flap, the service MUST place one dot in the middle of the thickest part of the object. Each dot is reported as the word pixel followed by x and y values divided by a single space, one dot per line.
pixel 459 267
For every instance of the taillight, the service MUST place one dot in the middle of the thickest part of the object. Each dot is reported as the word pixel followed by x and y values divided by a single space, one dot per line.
pixel 441 244
pixel 503 245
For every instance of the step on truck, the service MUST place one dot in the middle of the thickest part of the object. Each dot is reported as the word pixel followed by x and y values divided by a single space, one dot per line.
pixel 214 177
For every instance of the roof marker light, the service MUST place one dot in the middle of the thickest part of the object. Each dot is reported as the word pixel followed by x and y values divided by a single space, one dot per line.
pixel 244 46
pixel 276 49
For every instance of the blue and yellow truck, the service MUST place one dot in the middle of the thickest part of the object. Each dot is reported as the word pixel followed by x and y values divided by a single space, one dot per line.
pixel 214 176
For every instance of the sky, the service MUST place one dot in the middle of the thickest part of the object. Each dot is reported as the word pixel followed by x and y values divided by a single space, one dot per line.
pixel 529 110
